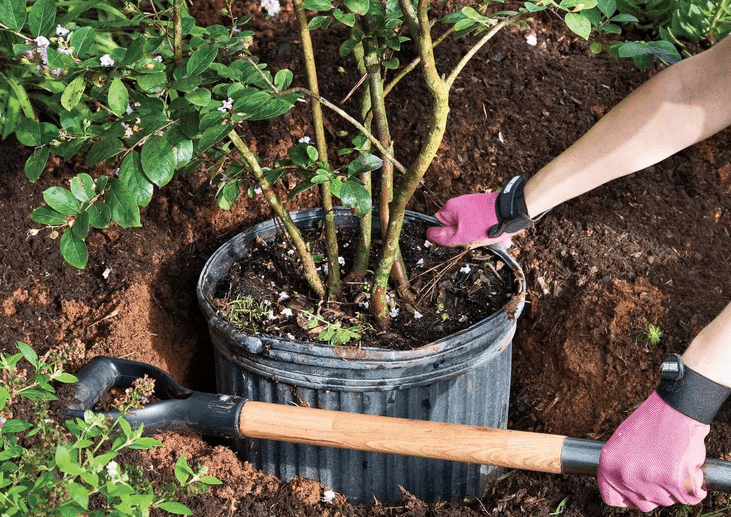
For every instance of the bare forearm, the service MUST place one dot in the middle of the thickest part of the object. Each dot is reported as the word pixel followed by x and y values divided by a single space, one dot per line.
pixel 680 106
pixel 710 352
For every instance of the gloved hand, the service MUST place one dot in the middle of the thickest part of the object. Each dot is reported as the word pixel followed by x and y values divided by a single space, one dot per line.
pixel 654 459
pixel 481 219
pixel 466 220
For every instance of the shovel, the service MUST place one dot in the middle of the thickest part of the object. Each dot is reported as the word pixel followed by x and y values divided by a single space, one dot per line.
pixel 182 409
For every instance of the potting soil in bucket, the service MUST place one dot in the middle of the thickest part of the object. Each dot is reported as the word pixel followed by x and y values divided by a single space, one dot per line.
pixel 464 378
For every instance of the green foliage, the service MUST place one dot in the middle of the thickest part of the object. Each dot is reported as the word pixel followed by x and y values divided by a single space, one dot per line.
pixel 244 311
pixel 119 97
pixel 332 332
pixel 650 334
pixel 678 22
pixel 49 470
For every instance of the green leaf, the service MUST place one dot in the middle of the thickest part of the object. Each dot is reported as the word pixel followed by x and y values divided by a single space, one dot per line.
pixel 152 83
pixel 72 93
pixel 357 6
pixel 125 211
pixel 611 28
pixel 183 470
pixel 578 24
pixel 100 215
pixel 29 354
pixel 132 175
pixel 80 229
pixel 82 187
pixel 66 378
pixel 42 17
pixel 577 5
pixel 210 480
pixel 317 5
pixel 175 507
pixel 301 155
pixel 199 97
pixel 12 14
pixel 103 150
pixel 82 40
pixel 211 136
pixel 596 48
pixel 14 426
pixel 364 163
pixel 145 443
pixel 283 79
pixel 61 200
pixel 319 22
pixel 47 216
pixel 28 132
pixel 201 59
pixel 158 160
pixel 36 163
pixel 118 97
pixel 473 15
pixel 346 19
pixel 78 494
pixel 624 18
pixel 607 7
pixel 75 253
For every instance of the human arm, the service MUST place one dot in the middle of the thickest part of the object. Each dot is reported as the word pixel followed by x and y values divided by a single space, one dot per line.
pixel 678 107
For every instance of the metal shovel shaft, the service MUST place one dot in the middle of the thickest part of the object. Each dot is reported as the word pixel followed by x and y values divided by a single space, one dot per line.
pixel 455 442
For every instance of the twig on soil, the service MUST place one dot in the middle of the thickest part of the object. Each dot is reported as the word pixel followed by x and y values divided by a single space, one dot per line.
pixel 112 314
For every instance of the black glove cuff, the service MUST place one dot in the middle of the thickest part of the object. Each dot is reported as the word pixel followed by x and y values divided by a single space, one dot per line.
pixel 690 392
pixel 510 209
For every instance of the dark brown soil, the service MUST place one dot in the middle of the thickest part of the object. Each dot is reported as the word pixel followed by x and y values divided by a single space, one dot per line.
pixel 653 247
pixel 453 290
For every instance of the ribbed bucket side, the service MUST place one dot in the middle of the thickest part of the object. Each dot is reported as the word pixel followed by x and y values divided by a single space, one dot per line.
pixel 476 397
pixel 462 379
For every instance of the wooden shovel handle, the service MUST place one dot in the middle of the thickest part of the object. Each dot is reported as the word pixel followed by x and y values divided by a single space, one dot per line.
pixel 455 442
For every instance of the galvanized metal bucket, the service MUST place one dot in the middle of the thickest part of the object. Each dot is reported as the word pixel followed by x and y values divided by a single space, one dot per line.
pixel 464 379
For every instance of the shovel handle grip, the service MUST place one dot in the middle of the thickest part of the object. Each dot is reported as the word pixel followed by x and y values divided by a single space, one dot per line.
pixel 455 442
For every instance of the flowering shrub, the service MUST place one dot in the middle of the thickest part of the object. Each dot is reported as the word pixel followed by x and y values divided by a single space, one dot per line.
pixel 48 470
pixel 152 95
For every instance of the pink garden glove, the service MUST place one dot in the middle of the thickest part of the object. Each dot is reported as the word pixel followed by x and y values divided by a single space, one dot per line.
pixel 654 459
pixel 468 218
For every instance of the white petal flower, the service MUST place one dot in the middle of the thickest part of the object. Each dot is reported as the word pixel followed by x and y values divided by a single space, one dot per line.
pixel 106 60
pixel 393 312
pixel 532 40
pixel 428 244
pixel 341 261
pixel 283 296
pixel 158 58
pixel 465 269
pixel 304 140
pixel 287 312
pixel 42 42
pixel 272 7
pixel 66 51
pixel 62 31
pixel 112 469
pixel 417 315
pixel 328 496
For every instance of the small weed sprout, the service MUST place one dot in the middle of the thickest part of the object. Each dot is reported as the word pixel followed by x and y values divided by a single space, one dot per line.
pixel 441 311
pixel 333 332
pixel 561 506
pixel 650 334
pixel 245 312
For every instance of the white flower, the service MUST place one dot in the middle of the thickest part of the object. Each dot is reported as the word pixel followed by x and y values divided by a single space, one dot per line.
pixel 290 252
pixel 287 312
pixel 43 43
pixel 532 40
pixel 106 60
pixel 57 72
pixel 465 269
pixel 341 261
pixel 428 244
pixel 304 140
pixel 2 421
pixel 62 31
pixel 129 110
pixel 257 190
pixel 158 58
pixel 393 312
pixel 283 296
pixel 417 315
pixel 272 7
pixel 328 496
pixel 226 105
pixel 112 469
pixel 127 130
pixel 66 51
